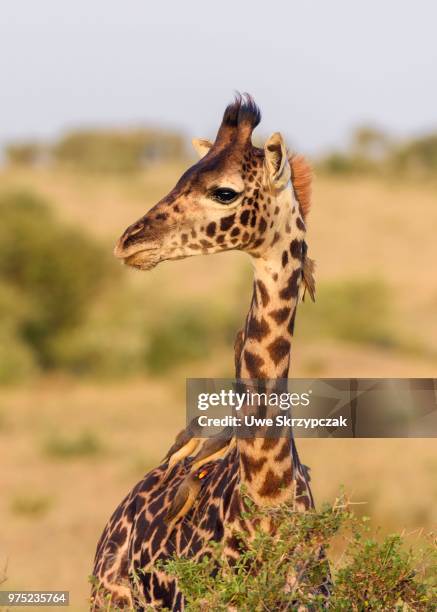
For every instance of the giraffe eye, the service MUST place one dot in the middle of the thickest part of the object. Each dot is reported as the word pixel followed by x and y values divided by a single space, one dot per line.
pixel 224 195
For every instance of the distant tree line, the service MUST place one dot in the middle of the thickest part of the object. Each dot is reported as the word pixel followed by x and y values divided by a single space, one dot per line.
pixel 372 150
pixel 369 151
pixel 101 150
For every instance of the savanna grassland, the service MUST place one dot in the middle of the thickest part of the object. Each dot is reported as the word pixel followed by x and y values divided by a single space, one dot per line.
pixel 76 437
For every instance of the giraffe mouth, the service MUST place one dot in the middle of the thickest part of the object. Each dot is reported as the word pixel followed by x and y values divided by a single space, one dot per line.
pixel 146 259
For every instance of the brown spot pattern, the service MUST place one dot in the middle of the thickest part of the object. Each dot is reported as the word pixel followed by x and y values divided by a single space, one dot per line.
pixel 296 249
pixel 300 224
pixel 285 451
pixel 244 217
pixel 251 465
pixel 273 484
pixel 263 293
pixel 258 329
pixel 227 222
pixel 280 315
pixel 292 287
pixel 253 363
pixel 278 349
pixel 210 229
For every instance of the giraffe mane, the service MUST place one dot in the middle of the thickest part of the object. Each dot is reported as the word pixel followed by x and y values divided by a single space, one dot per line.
pixel 242 110
pixel 302 178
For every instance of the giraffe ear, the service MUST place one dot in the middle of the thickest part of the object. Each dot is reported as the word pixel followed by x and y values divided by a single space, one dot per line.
pixel 276 166
pixel 201 146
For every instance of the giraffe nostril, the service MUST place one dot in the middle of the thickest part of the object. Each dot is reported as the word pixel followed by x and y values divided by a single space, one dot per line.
pixel 128 238
pixel 132 233
pixel 136 229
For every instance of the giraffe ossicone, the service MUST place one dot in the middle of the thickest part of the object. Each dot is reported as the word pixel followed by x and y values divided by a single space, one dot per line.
pixel 236 197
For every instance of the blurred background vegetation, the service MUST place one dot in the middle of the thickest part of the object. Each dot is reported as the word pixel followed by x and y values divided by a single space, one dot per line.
pixel 94 356
pixel 100 150
pixel 370 150
pixel 66 306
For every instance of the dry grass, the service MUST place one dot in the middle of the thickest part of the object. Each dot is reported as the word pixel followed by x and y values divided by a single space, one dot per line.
pixel 358 229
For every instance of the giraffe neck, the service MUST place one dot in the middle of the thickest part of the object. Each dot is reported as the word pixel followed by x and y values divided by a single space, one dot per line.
pixel 268 464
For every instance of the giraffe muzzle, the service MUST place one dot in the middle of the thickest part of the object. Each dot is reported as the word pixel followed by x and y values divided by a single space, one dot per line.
pixel 140 256
pixel 143 260
pixel 138 247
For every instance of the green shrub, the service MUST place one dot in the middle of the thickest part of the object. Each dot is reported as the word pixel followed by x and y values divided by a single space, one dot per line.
pixel 371 151
pixel 188 332
pixel 371 575
pixel 417 157
pixel 84 444
pixel 99 350
pixel 352 310
pixel 182 336
pixel 119 338
pixel 117 150
pixel 385 576
pixel 17 360
pixel 112 339
pixel 337 163
pixel 14 307
pixel 25 153
pixel 57 270
pixel 31 505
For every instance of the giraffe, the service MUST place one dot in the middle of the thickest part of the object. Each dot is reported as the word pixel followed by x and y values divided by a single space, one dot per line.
pixel 240 197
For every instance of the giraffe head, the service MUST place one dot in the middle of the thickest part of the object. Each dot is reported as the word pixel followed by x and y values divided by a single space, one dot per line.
pixel 237 196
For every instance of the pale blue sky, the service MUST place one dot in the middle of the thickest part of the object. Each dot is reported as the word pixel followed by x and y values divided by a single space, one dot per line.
pixel 316 68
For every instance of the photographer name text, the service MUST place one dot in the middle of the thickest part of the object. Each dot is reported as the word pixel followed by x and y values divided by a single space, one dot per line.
pixel 279 420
